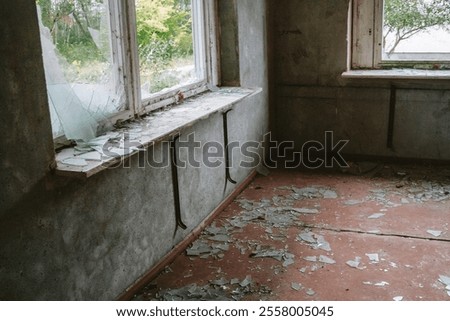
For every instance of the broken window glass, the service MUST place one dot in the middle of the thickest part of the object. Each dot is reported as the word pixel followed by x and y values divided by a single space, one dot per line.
pixel 80 45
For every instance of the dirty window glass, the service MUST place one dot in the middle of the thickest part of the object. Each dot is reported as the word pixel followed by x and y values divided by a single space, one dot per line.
pixel 168 54
pixel 81 61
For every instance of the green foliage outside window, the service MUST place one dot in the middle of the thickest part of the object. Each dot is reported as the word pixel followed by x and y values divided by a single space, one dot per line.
pixel 164 33
pixel 404 19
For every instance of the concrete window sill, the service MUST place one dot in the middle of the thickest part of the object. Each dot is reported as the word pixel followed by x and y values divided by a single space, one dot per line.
pixel 154 128
pixel 398 74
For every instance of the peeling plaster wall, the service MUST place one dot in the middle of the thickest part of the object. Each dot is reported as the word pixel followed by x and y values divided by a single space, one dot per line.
pixel 25 119
pixel 308 56
pixel 66 239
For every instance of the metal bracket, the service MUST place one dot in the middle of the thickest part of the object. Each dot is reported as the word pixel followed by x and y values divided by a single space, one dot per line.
pixel 227 152
pixel 391 124
pixel 176 187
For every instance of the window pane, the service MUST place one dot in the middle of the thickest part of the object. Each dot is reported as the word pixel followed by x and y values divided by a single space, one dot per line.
pixel 165 44
pixel 81 64
pixel 416 29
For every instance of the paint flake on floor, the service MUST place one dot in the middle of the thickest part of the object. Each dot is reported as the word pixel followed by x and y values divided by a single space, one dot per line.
pixel 316 241
pixel 435 233
pixel 354 263
pixel 373 257
pixel 306 236
pixel 296 286
pixel 376 216
pixel 326 260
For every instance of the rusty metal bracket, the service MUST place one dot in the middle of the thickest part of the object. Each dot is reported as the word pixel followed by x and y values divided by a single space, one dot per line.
pixel 176 187
pixel 227 151
pixel 391 124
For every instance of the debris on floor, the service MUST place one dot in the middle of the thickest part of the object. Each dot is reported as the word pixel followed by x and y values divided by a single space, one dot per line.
pixel 316 241
pixel 354 263
pixel 310 258
pixel 380 284
pixel 376 215
pixel 353 202
pixel 304 210
pixel 311 192
pixel 205 249
pixel 435 233
pixel 299 287
pixel 446 281
pixel 194 292
pixel 312 236
pixel 326 260
pixel 310 292
pixel 373 257
pixel 279 255
pixel 216 290
pixel 296 286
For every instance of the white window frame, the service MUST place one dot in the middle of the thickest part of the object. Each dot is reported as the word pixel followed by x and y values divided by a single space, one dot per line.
pixel 119 45
pixel 204 45
pixel 366 45
pixel 126 60
pixel 204 34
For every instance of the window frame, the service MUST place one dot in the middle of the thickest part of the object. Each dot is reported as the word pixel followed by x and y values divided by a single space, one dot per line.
pixel 366 45
pixel 125 53
pixel 203 32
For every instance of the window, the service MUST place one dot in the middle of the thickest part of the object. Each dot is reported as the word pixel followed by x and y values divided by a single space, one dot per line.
pixel 165 46
pixel 396 33
pixel 109 60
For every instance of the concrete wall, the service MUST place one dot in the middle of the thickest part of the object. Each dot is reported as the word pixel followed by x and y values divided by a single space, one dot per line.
pixel 67 239
pixel 308 56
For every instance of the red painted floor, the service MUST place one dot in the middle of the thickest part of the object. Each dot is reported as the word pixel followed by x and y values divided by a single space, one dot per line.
pixel 309 235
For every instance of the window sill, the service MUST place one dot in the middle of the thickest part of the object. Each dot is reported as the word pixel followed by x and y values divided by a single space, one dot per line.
pixel 398 74
pixel 154 128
